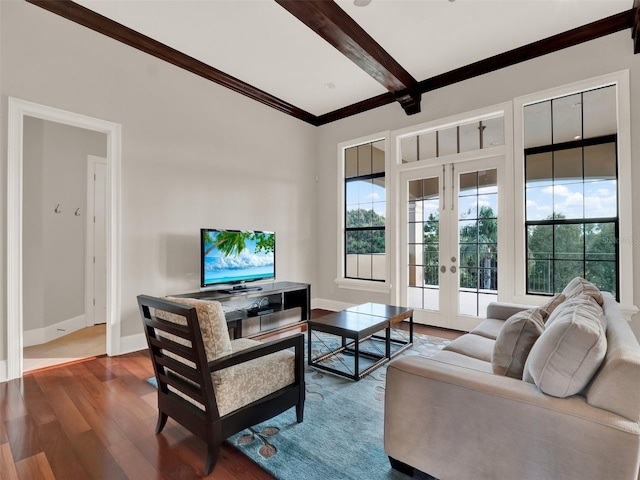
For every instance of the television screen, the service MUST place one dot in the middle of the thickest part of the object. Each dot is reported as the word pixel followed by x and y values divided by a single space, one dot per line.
pixel 236 256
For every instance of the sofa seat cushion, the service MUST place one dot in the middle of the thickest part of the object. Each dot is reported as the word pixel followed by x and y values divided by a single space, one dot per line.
pixel 256 378
pixel 515 340
pixel 472 346
pixel 488 328
pixel 453 358
pixel 570 350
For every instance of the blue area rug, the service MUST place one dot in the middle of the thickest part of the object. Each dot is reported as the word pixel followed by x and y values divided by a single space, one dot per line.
pixel 341 436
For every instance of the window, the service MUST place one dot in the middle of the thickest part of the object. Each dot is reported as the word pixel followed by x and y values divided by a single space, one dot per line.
pixel 365 212
pixel 571 191
pixel 466 137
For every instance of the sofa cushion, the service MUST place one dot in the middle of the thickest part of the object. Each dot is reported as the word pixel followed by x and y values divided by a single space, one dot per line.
pixel 472 346
pixel 580 286
pixel 515 340
pixel 569 351
pixel 489 328
pixel 453 358
pixel 551 304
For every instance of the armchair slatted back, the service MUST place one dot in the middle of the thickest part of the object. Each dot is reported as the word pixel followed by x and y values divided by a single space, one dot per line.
pixel 178 355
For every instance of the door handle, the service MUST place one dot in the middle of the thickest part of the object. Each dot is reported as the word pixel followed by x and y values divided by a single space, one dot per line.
pixel 443 269
pixel 453 269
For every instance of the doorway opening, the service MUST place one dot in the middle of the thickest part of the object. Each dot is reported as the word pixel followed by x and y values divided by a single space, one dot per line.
pixel 17 293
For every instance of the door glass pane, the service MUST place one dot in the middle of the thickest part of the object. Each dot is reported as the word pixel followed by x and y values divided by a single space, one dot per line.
pixel 478 239
pixel 423 243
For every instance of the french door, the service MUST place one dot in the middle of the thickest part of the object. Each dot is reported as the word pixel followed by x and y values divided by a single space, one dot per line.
pixel 450 247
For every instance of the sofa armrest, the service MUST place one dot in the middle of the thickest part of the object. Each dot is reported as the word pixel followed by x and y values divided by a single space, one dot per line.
pixel 503 310
pixel 499 427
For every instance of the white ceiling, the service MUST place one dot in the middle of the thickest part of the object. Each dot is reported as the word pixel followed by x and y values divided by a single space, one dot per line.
pixel 260 43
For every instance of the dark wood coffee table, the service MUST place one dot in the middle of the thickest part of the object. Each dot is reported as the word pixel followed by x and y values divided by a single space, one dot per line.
pixel 354 326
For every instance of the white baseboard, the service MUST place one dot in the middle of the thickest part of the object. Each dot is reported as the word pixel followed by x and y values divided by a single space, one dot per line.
pixel 133 343
pixel 333 305
pixel 51 332
pixel 3 371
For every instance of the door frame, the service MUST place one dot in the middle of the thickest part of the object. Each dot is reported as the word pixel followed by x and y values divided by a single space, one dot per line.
pixel 89 296
pixel 17 110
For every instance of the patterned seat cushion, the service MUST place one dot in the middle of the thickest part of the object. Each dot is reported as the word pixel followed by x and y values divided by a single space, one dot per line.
pixel 255 379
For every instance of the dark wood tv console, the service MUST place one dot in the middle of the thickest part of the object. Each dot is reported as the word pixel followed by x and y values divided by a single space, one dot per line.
pixel 278 308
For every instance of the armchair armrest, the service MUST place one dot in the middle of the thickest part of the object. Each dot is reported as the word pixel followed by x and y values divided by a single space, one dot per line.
pixel 296 341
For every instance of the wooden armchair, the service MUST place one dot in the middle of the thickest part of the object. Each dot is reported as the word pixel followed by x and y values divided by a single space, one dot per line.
pixel 213 386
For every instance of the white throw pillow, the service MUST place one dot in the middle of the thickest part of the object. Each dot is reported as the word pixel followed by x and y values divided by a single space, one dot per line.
pixel 514 341
pixel 570 350
pixel 580 286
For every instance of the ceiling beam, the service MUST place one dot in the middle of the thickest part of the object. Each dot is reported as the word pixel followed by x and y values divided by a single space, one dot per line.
pixel 101 24
pixel 635 29
pixel 570 38
pixel 333 24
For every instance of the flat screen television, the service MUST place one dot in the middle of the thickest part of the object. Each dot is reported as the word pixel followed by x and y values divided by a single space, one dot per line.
pixel 235 257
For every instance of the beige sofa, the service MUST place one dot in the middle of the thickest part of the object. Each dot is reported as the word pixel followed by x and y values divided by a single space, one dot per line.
pixel 453 417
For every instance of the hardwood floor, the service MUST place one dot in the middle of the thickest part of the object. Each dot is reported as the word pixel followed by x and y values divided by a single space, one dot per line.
pixel 95 419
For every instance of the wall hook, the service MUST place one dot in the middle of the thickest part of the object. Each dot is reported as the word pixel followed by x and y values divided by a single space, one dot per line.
pixel 57 209
pixel 77 214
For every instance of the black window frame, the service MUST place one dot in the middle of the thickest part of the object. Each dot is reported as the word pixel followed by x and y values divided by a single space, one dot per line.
pixel 601 140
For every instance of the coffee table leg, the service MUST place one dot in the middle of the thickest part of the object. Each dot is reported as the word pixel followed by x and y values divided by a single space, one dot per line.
pixel 388 342
pixel 356 359
pixel 309 345
pixel 411 329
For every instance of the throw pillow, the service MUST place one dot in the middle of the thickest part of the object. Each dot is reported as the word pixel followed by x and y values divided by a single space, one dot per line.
pixel 514 341
pixel 569 351
pixel 551 304
pixel 580 286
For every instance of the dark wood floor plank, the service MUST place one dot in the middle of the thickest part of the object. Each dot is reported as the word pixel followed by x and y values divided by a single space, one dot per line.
pixel 132 461
pixel 63 460
pixel 35 468
pixel 100 369
pixel 52 378
pixel 11 404
pixel 36 402
pixel 7 465
pixel 4 436
pixel 67 413
pixel 96 459
pixel 22 438
pixel 106 431
pixel 134 403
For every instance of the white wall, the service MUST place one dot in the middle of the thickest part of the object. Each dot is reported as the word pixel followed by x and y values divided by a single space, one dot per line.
pixel 609 54
pixel 194 154
pixel 54 250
